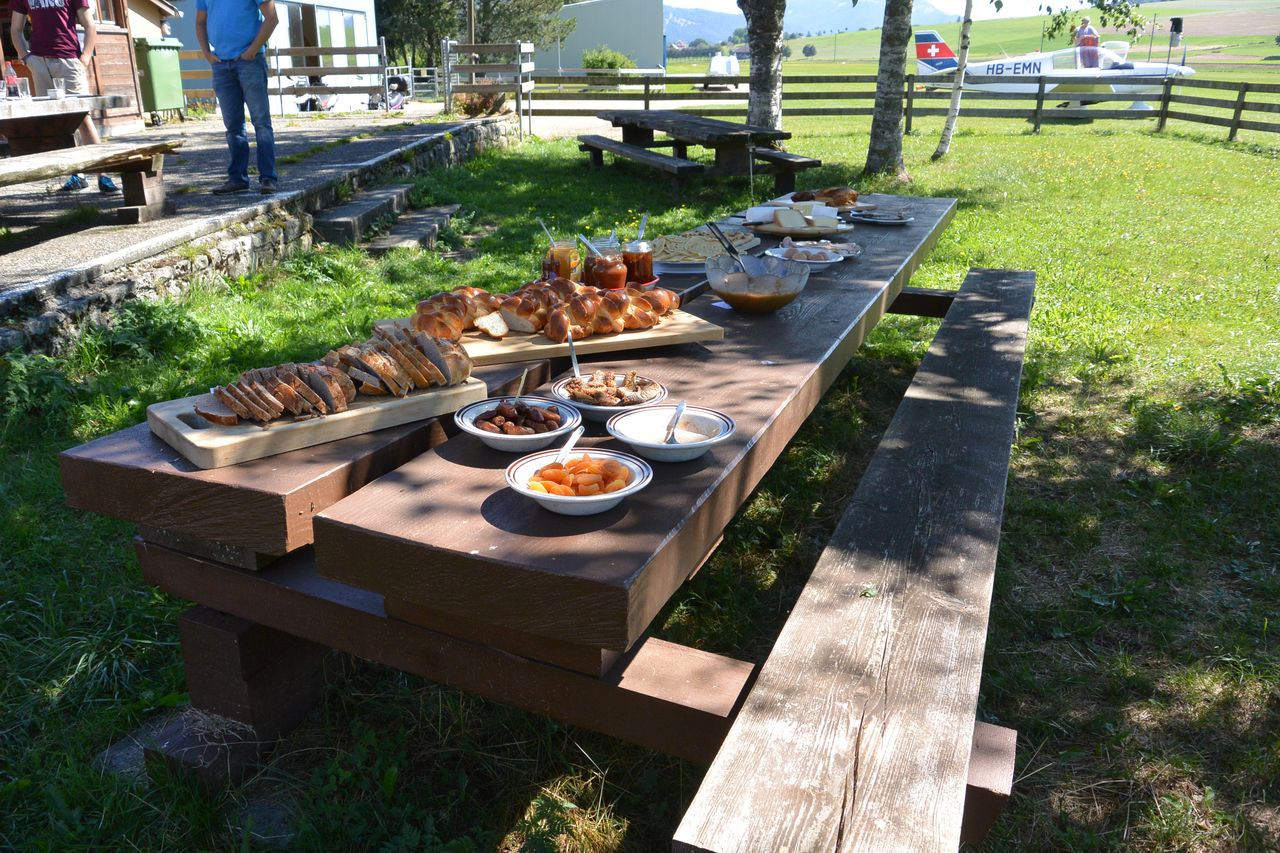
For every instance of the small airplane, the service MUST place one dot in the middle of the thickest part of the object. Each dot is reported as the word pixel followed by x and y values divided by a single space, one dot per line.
pixel 1108 62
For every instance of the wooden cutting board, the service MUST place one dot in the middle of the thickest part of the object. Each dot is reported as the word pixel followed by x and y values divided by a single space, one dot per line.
pixel 675 328
pixel 209 445
pixel 807 231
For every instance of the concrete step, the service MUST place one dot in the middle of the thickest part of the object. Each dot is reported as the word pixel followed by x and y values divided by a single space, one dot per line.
pixel 415 229
pixel 347 223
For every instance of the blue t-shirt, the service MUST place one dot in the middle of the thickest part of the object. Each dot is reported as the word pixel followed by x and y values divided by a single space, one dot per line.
pixel 232 25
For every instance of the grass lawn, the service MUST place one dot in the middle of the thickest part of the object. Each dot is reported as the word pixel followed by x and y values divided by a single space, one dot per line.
pixel 1133 641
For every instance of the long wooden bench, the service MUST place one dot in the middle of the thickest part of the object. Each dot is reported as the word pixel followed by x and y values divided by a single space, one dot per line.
pixel 141 168
pixel 676 167
pixel 784 166
pixel 859 731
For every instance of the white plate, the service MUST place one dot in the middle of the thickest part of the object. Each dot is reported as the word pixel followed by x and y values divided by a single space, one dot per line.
pixel 879 220
pixel 785 201
pixel 603 413
pixel 779 252
pixel 661 268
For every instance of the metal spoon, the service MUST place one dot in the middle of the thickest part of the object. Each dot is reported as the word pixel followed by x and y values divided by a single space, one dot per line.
pixel 644 220
pixel 669 437
pixel 568 446
pixel 573 356
pixel 524 375
pixel 728 245
pixel 547 231
pixel 593 249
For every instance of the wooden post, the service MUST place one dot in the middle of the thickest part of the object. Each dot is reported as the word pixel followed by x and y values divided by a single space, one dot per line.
pixel 1039 104
pixel 1235 119
pixel 383 60
pixel 279 80
pixel 1164 103
pixel 646 93
pixel 911 88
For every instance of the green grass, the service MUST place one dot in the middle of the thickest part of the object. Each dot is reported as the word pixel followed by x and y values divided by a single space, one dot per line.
pixel 1133 637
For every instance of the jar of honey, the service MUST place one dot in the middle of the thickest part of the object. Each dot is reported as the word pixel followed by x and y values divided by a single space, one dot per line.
pixel 609 271
pixel 562 261
pixel 638 256
pixel 606 246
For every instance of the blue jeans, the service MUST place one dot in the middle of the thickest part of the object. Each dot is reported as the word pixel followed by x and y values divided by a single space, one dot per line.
pixel 237 83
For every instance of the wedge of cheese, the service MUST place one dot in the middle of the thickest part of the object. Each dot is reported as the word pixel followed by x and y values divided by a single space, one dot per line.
pixel 788 218
pixel 762 213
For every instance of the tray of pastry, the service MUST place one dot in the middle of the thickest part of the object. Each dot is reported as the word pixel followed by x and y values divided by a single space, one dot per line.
pixel 535 321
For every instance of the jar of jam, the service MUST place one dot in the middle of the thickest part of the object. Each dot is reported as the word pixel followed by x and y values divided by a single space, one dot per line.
pixel 638 256
pixel 562 261
pixel 606 246
pixel 609 271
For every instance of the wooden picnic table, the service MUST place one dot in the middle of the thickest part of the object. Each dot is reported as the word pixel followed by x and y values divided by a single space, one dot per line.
pixel 33 125
pixel 732 143
pixel 424 560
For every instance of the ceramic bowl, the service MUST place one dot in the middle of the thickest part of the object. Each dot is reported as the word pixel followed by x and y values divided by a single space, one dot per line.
pixel 603 413
pixel 520 471
pixel 769 283
pixel 465 418
pixel 642 429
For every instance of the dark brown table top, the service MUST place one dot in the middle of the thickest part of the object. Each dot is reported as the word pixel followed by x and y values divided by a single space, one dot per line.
pixel 692 128
pixel 22 108
pixel 444 531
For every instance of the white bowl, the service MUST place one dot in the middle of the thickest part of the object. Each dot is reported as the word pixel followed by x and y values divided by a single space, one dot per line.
pixel 519 472
pixel 465 418
pixel 643 428
pixel 603 413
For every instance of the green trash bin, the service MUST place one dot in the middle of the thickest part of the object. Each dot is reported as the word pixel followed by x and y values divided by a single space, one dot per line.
pixel 159 75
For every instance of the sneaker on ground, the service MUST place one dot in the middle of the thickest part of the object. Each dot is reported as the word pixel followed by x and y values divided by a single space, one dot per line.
pixel 267 186
pixel 74 184
pixel 230 187
pixel 106 185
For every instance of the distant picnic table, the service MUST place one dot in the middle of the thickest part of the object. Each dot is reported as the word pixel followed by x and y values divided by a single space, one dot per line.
pixel 33 125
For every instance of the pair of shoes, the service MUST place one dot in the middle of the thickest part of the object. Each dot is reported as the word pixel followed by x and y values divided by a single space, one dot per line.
pixel 106 185
pixel 74 184
pixel 267 186
pixel 230 187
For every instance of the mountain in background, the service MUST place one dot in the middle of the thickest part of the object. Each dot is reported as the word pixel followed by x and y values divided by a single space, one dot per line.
pixel 802 16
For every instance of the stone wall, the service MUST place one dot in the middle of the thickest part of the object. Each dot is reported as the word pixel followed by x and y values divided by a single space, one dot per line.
pixel 44 314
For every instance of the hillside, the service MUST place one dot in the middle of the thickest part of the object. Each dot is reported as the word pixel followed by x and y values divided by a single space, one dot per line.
pixel 802 16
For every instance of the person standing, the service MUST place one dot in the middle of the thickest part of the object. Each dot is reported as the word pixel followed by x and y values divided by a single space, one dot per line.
pixel 232 34
pixel 55 53
pixel 1087 41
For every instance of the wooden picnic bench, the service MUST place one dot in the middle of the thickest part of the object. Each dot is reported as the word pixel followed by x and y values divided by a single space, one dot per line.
pixel 784 165
pixel 405 548
pixel 140 165
pixel 859 731
pixel 32 125
pixel 676 167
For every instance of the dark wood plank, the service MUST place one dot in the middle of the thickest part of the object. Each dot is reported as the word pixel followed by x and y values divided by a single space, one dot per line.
pixel 443 531
pixel 699 130
pixel 786 158
pixel 857 734
pixel 644 156
pixel 666 697
pixel 264 506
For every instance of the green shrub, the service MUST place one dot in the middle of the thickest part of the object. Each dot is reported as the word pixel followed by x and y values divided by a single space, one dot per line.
pixel 606 57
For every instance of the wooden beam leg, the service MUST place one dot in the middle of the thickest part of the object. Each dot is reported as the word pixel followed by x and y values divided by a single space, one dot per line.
pixel 143 194
pixel 597 158
pixel 991 767
pixel 784 181
pixel 249 685
pixel 923 302
pixel 733 159
pixel 680 149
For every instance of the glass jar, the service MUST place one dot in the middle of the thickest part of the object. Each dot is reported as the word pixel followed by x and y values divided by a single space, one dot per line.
pixel 606 246
pixel 609 271
pixel 638 256
pixel 562 261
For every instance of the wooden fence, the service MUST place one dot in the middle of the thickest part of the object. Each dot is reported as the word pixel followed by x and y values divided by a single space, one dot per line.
pixel 286 63
pixel 469 69
pixel 1035 105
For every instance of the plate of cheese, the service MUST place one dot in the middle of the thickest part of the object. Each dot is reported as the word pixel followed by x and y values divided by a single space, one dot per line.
pixel 790 222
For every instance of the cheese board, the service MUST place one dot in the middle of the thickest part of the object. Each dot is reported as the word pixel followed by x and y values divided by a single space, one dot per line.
pixel 677 327
pixel 807 231
pixel 208 445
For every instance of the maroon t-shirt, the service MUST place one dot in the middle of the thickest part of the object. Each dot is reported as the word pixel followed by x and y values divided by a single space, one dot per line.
pixel 53 25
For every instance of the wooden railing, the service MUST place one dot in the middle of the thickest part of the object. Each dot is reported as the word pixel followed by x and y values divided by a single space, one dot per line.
pixel 653 91
pixel 469 69
pixel 283 64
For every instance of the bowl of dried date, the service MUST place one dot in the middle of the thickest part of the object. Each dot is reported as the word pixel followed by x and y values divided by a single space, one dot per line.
pixel 518 424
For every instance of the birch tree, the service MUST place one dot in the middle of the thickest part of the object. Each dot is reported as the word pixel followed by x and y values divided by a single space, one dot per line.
pixel 764 39
pixel 884 151
pixel 957 87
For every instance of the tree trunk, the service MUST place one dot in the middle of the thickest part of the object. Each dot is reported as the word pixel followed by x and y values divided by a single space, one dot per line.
pixel 953 109
pixel 764 37
pixel 884 152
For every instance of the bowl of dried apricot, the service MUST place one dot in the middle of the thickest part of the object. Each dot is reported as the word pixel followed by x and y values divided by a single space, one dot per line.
pixel 588 482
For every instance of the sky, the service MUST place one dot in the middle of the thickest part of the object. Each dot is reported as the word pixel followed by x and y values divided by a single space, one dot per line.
pixel 981 8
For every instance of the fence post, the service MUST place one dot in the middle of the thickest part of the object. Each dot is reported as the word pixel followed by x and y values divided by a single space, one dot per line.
pixel 448 75
pixel 911 90
pixel 646 92
pixel 1039 103
pixel 1164 103
pixel 279 80
pixel 1235 119
pixel 383 59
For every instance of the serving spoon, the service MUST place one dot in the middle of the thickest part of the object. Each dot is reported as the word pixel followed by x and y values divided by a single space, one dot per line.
pixel 669 437
pixel 568 446
pixel 573 356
